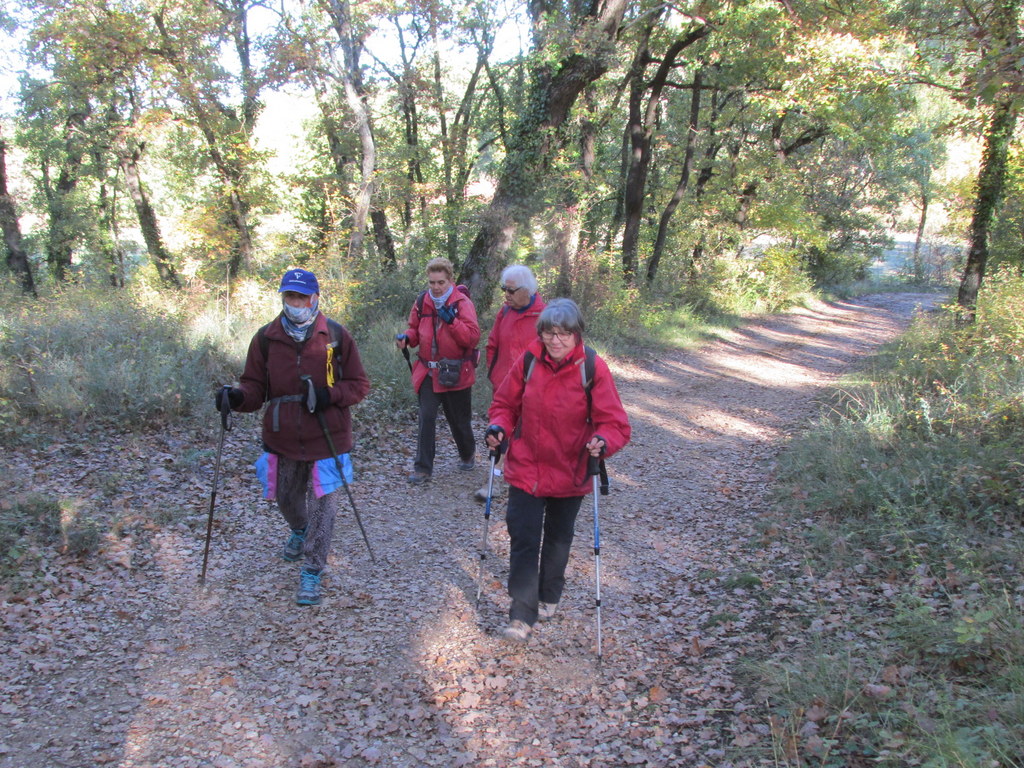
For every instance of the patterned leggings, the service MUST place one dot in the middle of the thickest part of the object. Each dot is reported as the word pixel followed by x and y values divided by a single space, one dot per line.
pixel 301 509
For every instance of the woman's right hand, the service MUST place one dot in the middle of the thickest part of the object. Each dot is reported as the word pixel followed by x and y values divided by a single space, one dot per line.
pixel 401 340
pixel 494 436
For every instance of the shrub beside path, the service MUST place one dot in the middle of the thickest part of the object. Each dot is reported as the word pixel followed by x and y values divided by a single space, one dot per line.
pixel 124 660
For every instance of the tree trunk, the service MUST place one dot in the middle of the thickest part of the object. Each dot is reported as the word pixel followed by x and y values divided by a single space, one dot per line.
pixel 991 178
pixel 384 241
pixel 147 219
pixel 17 258
pixel 552 94
pixel 684 180
pixel 339 11
pixel 60 238
pixel 641 132
pixel 916 257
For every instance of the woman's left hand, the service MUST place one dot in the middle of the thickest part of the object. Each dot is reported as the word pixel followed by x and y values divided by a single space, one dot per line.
pixel 596 445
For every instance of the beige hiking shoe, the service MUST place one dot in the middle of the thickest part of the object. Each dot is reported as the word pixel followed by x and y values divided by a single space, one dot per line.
pixel 516 631
pixel 546 611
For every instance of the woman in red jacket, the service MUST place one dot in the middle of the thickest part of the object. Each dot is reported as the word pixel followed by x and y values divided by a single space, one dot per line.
pixel 443 324
pixel 513 330
pixel 552 426
pixel 298 468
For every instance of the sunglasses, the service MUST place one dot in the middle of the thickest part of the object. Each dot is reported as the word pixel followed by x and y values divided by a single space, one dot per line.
pixel 508 290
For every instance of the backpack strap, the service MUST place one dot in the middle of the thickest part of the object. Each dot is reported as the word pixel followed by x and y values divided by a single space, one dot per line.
pixel 419 303
pixel 587 374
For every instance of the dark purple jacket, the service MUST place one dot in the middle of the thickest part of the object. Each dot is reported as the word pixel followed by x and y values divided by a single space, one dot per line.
pixel 289 429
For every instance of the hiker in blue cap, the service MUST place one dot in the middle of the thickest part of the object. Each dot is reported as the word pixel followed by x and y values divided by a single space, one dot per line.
pixel 306 368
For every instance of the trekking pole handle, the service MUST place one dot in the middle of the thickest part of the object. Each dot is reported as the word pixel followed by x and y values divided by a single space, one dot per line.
pixel 225 407
pixel 405 349
pixel 310 392
pixel 593 465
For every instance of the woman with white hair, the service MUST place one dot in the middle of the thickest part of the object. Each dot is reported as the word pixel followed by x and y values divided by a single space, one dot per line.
pixel 514 328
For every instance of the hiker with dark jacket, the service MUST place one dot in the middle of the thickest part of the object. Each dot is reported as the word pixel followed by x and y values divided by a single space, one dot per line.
pixel 297 467
pixel 552 426
pixel 513 330
pixel 443 325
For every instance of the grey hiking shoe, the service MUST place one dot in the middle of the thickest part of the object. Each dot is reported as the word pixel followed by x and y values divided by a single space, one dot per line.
pixel 516 631
pixel 309 588
pixel 546 611
pixel 418 478
pixel 293 548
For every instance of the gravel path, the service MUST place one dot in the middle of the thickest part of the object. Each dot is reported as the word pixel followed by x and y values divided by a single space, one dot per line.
pixel 130 663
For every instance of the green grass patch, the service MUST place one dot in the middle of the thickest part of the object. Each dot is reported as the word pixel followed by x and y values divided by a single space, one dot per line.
pixel 36 527
pixel 911 483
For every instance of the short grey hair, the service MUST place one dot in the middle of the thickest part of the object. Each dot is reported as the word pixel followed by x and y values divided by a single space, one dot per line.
pixel 561 313
pixel 521 276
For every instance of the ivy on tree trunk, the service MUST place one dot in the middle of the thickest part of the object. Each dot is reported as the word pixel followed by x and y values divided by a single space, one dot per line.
pixel 991 179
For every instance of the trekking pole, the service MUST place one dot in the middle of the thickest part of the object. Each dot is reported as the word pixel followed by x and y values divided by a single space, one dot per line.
pixel 225 426
pixel 494 453
pixel 595 467
pixel 405 351
pixel 311 405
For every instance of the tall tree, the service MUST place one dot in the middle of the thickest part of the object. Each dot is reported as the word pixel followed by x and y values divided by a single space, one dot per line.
pixel 17 258
pixel 973 49
pixel 581 57
pixel 189 36
pixel 991 180
pixel 350 40
pixel 641 132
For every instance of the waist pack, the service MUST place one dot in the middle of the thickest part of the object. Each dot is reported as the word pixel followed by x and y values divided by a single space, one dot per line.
pixel 448 372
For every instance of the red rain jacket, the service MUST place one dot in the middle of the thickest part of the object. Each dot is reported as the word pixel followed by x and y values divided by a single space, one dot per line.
pixel 546 423
pixel 456 341
pixel 512 333
pixel 298 435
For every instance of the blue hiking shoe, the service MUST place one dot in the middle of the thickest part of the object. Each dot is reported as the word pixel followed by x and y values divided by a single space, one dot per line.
pixel 309 588
pixel 293 549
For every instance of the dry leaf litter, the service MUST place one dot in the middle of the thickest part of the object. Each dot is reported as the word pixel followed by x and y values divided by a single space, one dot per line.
pixel 124 660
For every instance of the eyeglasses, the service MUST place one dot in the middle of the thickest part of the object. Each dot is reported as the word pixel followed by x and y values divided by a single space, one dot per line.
pixel 508 290
pixel 562 335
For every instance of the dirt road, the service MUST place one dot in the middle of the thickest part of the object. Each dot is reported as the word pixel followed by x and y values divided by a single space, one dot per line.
pixel 131 664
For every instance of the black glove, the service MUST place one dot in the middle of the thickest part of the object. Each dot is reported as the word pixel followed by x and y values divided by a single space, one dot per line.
pixel 235 397
pixel 323 398
pixel 446 313
pixel 499 433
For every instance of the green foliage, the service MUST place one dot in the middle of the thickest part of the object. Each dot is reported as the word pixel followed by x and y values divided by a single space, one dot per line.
pixel 768 283
pixel 1006 245
pixel 84 354
pixel 913 479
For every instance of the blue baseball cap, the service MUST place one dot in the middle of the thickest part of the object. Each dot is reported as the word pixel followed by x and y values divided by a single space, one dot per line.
pixel 300 281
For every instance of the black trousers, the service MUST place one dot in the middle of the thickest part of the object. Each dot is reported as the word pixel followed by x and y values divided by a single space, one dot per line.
pixel 458 410
pixel 540 531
